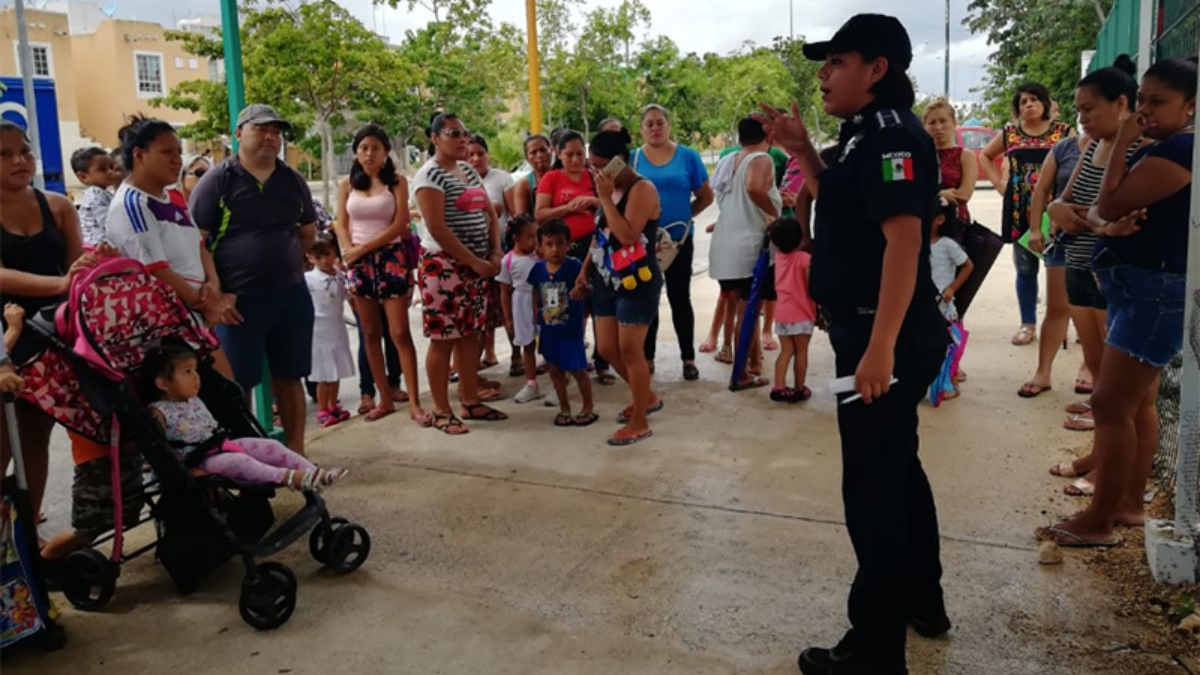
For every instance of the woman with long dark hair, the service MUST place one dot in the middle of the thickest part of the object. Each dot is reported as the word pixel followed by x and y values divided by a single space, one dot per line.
pixel 624 303
pixel 373 230
pixel 1025 144
pixel 540 158
pixel 871 274
pixel 461 257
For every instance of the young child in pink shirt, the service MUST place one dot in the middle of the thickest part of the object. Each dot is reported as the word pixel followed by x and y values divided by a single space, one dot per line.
pixel 795 311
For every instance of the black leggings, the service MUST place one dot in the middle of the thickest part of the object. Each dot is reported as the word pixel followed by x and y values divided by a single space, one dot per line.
pixel 679 293
pixel 366 379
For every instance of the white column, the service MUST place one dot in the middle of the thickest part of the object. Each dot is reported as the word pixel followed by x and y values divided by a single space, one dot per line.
pixel 1145 34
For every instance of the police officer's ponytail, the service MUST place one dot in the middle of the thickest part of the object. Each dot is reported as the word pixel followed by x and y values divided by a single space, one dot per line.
pixel 895 90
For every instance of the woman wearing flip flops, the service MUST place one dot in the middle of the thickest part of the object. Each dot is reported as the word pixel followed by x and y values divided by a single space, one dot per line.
pixel 622 275
pixel 372 226
pixel 1105 98
pixel 462 254
pixel 1141 218
pixel 1025 144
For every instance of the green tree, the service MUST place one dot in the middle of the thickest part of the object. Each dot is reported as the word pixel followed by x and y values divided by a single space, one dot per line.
pixel 317 64
pixel 209 100
pixel 1035 42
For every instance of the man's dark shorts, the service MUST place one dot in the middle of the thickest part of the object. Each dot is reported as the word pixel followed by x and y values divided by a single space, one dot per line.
pixel 740 287
pixel 278 326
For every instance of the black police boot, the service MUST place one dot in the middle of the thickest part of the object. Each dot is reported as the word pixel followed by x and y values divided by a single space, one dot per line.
pixel 932 625
pixel 842 660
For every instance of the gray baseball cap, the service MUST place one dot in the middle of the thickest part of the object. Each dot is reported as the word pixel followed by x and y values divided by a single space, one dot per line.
pixel 261 113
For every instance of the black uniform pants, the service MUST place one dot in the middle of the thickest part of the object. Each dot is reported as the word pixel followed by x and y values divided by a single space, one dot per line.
pixel 890 513
pixel 679 294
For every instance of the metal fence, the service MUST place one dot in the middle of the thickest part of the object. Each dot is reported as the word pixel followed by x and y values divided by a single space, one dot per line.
pixel 1167 458
pixel 1177 32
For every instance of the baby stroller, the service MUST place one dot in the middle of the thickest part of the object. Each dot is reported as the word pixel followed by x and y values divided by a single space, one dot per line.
pixel 84 377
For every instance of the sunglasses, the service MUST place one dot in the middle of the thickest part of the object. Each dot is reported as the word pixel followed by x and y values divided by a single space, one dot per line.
pixel 198 172
pixel 456 133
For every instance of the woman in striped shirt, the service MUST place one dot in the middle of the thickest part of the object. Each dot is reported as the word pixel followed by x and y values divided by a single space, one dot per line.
pixel 462 253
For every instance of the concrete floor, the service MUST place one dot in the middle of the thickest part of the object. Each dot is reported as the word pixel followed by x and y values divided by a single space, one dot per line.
pixel 715 547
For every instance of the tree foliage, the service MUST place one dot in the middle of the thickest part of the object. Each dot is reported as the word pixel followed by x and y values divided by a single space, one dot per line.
pixel 1035 42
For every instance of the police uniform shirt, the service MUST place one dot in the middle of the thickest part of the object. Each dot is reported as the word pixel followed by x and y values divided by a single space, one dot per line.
pixel 886 166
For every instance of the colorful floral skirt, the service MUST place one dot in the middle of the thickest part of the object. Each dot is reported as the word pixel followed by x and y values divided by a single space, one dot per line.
pixel 456 300
pixel 380 274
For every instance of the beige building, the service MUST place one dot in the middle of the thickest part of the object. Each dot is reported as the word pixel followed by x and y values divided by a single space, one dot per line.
pixel 103 69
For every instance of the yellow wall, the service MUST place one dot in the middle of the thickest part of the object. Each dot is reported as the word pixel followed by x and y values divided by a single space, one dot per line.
pixel 45 28
pixel 107 85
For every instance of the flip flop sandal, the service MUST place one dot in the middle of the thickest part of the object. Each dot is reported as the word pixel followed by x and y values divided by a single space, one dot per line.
pixel 1024 336
pixel 605 378
pixel 487 363
pixel 1080 488
pixel 1080 423
pixel 707 347
pixel 1064 470
pixel 619 441
pixel 379 413
pixel 724 355
pixel 1083 386
pixel 585 419
pixel 623 418
pixel 516 370
pixel 769 344
pixel 365 407
pixel 489 413
pixel 424 421
pixel 1032 389
pixel 1078 408
pixel 564 420
pixel 782 394
pixel 752 383
pixel 490 395
pixel 803 394
pixel 400 396
pixel 1068 539
pixel 450 425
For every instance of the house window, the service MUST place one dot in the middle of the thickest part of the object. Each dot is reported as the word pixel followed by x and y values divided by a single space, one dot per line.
pixel 193 64
pixel 178 61
pixel 43 65
pixel 148 70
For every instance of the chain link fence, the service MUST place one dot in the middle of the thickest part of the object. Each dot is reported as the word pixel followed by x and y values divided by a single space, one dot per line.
pixel 1167 458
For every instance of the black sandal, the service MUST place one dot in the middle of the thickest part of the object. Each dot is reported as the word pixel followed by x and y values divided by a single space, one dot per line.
pixel 564 420
pixel 489 413
pixel 444 422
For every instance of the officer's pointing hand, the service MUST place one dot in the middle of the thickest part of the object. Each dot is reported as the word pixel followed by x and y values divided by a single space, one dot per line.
pixel 873 377
pixel 786 130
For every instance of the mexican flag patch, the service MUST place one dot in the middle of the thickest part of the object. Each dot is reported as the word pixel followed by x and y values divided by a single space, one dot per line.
pixel 897 167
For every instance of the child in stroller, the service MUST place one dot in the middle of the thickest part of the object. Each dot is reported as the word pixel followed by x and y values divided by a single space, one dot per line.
pixel 171 381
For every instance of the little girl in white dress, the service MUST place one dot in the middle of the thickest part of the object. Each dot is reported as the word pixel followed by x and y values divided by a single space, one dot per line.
pixel 331 357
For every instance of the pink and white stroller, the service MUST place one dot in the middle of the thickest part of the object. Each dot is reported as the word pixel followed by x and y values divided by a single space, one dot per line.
pixel 88 357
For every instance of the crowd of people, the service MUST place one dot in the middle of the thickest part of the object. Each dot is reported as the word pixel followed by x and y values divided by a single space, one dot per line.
pixel 598 228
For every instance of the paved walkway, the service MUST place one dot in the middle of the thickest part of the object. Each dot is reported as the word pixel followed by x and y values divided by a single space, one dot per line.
pixel 715 547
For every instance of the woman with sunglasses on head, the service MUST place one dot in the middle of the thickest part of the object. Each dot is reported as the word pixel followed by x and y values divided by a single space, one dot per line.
pixel 461 257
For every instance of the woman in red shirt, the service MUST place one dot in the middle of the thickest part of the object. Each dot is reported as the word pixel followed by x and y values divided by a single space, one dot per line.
pixel 567 194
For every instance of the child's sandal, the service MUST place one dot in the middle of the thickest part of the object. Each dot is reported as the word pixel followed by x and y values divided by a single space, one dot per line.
pixel 564 420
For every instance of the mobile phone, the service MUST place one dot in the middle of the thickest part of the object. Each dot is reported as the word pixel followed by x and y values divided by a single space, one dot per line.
pixel 614 167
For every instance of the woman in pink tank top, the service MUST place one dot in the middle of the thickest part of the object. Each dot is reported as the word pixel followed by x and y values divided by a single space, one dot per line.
pixel 373 231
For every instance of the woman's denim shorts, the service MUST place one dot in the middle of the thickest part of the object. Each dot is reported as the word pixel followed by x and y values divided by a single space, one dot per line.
pixel 1145 311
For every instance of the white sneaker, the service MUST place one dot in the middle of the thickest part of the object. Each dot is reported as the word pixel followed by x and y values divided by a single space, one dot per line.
pixel 528 393
pixel 551 399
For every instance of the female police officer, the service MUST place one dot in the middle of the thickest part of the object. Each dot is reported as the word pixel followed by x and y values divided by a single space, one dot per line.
pixel 870 274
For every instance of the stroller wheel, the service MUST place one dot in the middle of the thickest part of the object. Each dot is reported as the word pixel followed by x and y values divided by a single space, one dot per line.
pixel 318 539
pixel 349 546
pixel 90 579
pixel 268 597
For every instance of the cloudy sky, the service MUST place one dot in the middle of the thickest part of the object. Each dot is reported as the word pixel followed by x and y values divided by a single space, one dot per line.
pixel 696 26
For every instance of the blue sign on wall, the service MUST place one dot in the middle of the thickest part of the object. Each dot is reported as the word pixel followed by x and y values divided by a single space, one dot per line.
pixel 12 108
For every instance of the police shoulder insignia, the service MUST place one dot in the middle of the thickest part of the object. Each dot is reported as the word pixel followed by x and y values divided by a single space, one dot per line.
pixel 897 166
pixel 887 118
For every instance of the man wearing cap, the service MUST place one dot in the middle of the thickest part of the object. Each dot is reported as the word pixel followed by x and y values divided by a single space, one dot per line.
pixel 870 275
pixel 258 215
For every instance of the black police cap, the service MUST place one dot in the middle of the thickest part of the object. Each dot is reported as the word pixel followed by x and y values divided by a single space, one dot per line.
pixel 872 35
